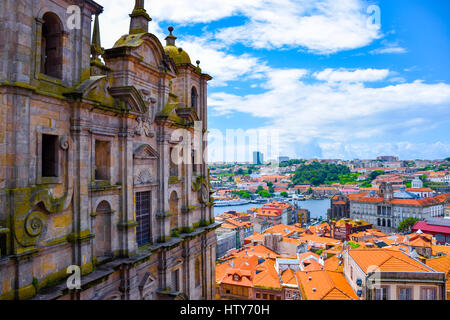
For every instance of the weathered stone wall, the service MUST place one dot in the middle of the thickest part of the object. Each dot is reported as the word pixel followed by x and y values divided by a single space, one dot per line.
pixel 73 218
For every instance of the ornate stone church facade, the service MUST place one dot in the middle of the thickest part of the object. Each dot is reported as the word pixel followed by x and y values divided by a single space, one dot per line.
pixel 92 174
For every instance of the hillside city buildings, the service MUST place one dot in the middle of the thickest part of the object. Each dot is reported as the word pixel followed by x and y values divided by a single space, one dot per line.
pixel 103 174
pixel 89 175
pixel 355 252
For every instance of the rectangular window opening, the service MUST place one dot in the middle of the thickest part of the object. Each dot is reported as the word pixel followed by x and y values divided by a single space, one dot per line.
pixel 3 247
pixel 143 209
pixel 102 160
pixel 49 156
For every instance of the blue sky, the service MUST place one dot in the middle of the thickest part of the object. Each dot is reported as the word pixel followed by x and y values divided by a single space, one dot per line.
pixel 319 74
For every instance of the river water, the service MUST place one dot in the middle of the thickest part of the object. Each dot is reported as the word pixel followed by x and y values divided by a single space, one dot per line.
pixel 318 208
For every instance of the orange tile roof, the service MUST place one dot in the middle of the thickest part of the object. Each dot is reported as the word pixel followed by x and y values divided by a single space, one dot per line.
pixel 267 277
pixel 312 265
pixel 228 226
pixel 255 237
pixel 419 189
pixel 332 264
pixel 307 254
pixel 243 267
pixel 318 239
pixel 363 197
pixel 419 240
pixel 283 229
pixel 258 251
pixel 386 260
pixel 288 277
pixel 325 285
pixel 441 264
pixel 435 249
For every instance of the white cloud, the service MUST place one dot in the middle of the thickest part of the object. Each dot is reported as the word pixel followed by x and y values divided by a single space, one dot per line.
pixel 403 149
pixel 223 67
pixel 389 48
pixel 343 112
pixel 182 11
pixel 358 75
pixel 323 27
pixel 392 50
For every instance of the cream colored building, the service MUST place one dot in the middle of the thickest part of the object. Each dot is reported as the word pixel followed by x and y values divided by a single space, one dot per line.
pixel 388 274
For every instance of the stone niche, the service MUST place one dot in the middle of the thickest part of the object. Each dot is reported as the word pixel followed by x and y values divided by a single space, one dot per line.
pixel 145 165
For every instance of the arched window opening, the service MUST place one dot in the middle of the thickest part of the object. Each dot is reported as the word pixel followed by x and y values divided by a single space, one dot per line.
pixel 389 223
pixel 194 98
pixel 173 205
pixel 52 46
pixel 102 247
pixel 384 222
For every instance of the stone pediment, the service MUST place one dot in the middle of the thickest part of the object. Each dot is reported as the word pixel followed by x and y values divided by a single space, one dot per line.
pixel 95 89
pixel 145 152
pixel 190 114
pixel 131 98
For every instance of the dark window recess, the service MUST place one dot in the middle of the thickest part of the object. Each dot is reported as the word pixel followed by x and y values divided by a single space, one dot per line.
pixel 102 160
pixel 49 156
pixel 197 272
pixel 194 97
pixel 3 248
pixel 143 218
pixel 175 280
pixel 51 46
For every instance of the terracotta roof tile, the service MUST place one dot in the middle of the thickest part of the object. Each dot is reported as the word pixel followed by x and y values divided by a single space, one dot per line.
pixel 325 285
pixel 386 260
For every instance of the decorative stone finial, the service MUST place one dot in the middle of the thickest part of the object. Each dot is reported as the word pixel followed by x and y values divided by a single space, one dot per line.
pixel 97 66
pixel 170 39
pixel 198 63
pixel 139 18
pixel 96 47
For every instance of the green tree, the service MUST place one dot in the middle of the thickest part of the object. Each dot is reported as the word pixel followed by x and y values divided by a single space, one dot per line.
pixel 406 224
pixel 264 194
pixel 284 194
pixel 374 174
pixel 317 173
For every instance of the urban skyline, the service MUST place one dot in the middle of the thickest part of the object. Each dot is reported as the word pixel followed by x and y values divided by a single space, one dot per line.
pixel 331 78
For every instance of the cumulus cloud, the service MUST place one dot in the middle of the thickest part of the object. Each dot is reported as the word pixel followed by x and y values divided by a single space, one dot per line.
pixel 358 75
pixel 323 26
pixel 341 113
pixel 222 66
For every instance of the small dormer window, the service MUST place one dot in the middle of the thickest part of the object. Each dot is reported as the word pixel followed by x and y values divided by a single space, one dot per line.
pixel 52 46
pixel 236 277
